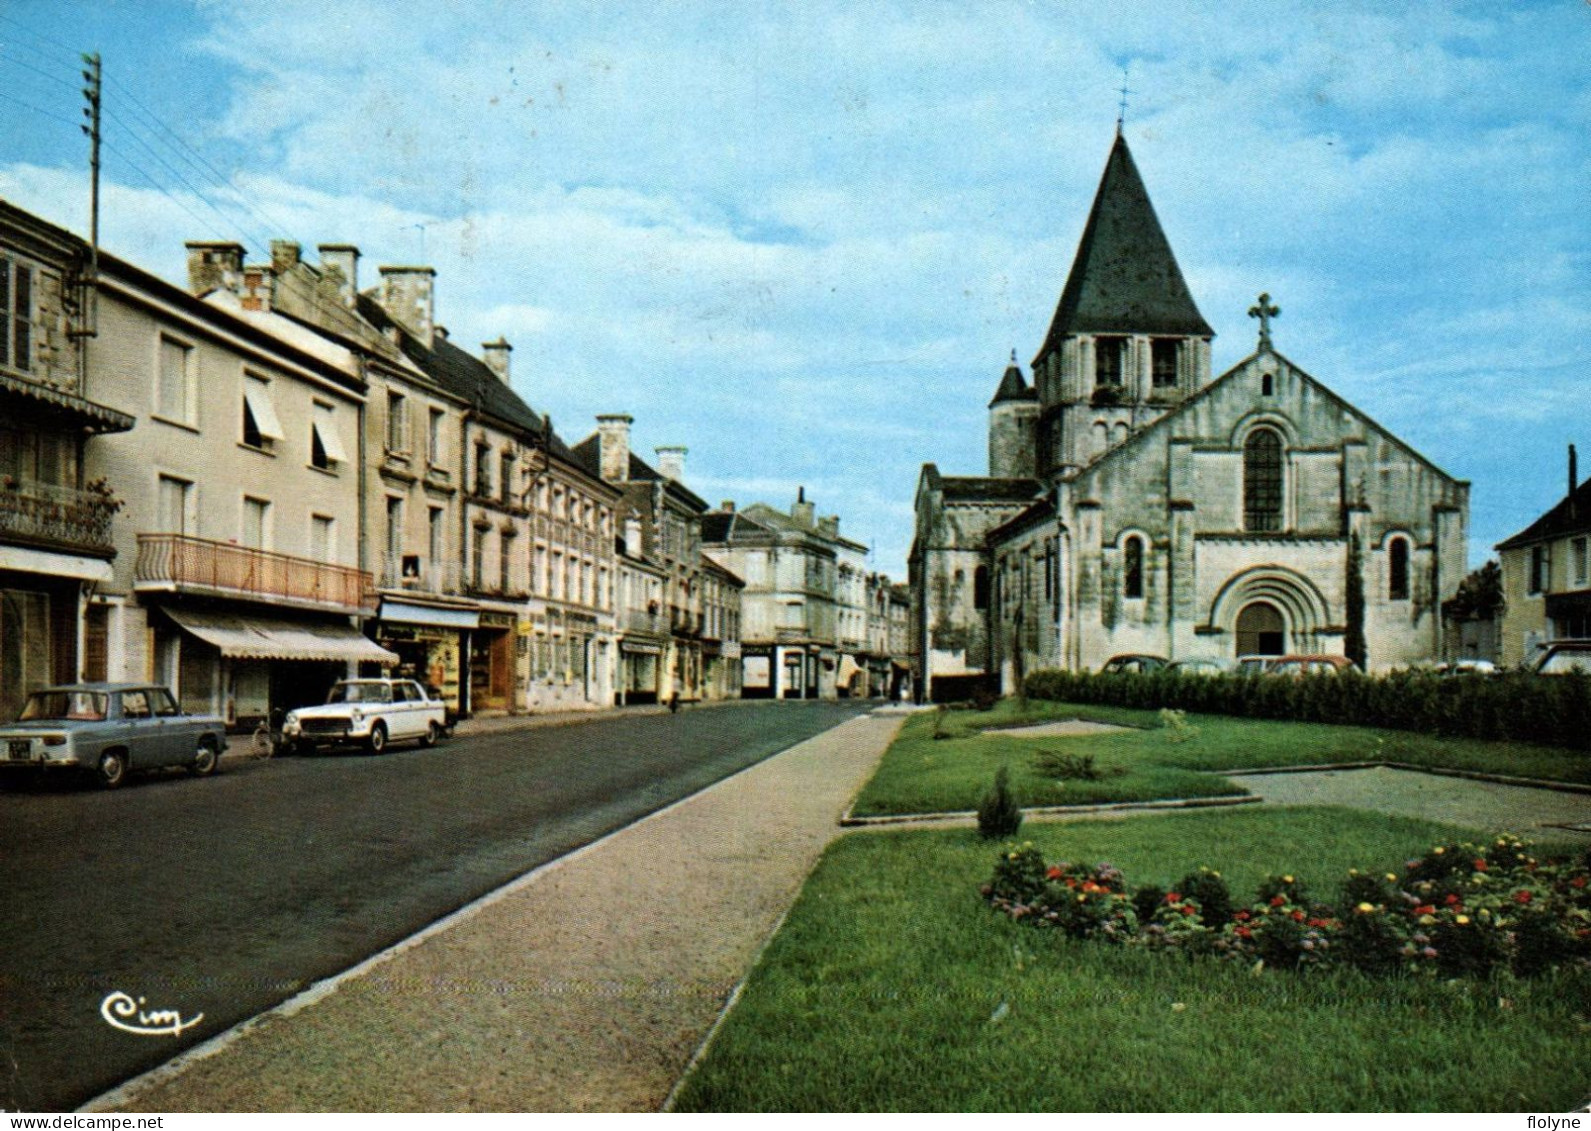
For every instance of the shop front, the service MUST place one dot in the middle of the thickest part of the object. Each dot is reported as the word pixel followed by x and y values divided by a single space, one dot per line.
pixel 492 664
pixel 429 641
pixel 38 634
pixel 244 665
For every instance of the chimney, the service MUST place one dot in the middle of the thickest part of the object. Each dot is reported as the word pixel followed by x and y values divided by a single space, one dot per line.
pixel 284 254
pixel 803 511
pixel 342 261
pixel 829 526
pixel 1574 479
pixel 259 287
pixel 409 295
pixel 727 506
pixel 632 537
pixel 214 265
pixel 495 354
pixel 613 441
pixel 671 462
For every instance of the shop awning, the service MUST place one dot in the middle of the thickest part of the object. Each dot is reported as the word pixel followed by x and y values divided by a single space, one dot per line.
pixel 271 638
pixel 402 612
pixel 55 564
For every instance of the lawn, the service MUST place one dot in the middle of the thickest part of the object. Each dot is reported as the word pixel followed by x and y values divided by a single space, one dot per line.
pixel 891 986
pixel 921 773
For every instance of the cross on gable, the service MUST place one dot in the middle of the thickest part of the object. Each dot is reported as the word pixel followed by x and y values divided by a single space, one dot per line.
pixel 1264 310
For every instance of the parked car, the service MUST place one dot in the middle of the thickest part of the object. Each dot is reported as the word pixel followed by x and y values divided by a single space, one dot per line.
pixel 1559 657
pixel 368 712
pixel 1308 665
pixel 1465 667
pixel 109 730
pixel 1134 663
pixel 1254 665
pixel 1202 666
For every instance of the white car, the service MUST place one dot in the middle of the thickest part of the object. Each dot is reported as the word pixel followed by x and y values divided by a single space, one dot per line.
pixel 368 712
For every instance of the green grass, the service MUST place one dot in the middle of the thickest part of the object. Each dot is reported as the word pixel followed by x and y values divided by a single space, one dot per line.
pixel 882 990
pixel 922 774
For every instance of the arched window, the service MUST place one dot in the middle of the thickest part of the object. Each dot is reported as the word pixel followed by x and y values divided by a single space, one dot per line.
pixel 1398 569
pixel 1262 481
pixel 1101 436
pixel 1132 568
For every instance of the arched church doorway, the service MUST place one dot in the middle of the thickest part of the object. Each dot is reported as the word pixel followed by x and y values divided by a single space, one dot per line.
pixel 1261 631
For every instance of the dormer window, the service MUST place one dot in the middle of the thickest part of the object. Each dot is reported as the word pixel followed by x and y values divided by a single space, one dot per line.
pixel 1108 362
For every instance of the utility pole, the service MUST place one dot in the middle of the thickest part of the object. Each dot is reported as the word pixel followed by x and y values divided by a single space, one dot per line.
pixel 91 93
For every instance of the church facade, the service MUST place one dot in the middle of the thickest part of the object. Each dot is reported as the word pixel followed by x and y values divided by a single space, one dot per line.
pixel 1136 505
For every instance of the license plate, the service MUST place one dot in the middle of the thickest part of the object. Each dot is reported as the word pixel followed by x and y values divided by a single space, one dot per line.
pixel 21 748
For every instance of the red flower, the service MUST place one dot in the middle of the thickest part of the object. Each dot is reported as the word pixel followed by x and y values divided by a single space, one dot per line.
pixel 1278 900
pixel 1243 933
pixel 1187 910
pixel 1298 916
pixel 1452 899
pixel 1480 865
pixel 1242 916
pixel 1577 882
pixel 1522 897
pixel 1054 873
pixel 1425 909
pixel 1320 922
pixel 1173 897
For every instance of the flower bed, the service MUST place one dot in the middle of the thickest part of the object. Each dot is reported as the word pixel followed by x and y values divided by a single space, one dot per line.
pixel 1460 910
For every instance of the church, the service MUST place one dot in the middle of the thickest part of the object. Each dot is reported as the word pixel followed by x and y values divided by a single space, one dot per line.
pixel 1133 504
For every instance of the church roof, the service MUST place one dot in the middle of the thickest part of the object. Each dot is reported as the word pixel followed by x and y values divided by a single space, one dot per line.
pixel 1125 278
pixel 1013 387
pixel 1572 515
pixel 974 489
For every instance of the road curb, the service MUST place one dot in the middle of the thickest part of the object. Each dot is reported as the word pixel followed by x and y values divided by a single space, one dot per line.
pixel 929 819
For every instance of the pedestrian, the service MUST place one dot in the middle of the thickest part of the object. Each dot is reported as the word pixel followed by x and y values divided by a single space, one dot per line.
pixel 673 703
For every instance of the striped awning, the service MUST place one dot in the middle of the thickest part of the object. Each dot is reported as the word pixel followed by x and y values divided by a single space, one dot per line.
pixel 271 638
pixel 94 417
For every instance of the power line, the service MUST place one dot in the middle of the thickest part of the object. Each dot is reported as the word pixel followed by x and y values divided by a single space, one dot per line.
pixel 15 62
pixel 38 109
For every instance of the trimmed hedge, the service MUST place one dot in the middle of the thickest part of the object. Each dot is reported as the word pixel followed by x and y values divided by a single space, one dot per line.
pixel 1550 710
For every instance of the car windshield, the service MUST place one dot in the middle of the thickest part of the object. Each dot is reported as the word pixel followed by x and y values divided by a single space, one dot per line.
pixel 360 693
pixel 65 705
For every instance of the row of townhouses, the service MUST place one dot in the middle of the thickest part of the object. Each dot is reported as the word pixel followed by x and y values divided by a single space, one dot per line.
pixel 270 479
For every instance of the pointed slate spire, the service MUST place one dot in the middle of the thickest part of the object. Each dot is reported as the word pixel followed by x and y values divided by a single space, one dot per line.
pixel 1013 387
pixel 1125 279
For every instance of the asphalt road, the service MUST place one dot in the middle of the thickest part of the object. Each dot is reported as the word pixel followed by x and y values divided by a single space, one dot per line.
pixel 225 896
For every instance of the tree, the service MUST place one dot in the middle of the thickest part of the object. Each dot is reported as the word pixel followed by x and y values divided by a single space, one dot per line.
pixel 1353 640
pixel 1479 596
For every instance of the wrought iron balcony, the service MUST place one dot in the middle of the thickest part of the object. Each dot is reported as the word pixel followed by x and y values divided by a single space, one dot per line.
pixel 180 563
pixel 57 518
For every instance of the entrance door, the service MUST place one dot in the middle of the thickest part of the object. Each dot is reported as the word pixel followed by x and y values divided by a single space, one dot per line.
pixel 1261 631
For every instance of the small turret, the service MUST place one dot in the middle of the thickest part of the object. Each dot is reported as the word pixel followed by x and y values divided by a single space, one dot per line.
pixel 1013 416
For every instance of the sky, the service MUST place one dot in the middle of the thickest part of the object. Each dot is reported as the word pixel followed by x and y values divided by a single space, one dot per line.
pixel 803 239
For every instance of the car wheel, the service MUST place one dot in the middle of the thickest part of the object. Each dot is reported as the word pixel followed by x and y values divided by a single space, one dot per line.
pixel 432 733
pixel 377 742
pixel 112 768
pixel 205 758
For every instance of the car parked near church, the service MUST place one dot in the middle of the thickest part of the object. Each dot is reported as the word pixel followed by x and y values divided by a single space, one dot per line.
pixel 109 730
pixel 370 713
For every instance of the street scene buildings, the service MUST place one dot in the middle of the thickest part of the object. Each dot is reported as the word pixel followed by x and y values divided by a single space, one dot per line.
pixel 269 479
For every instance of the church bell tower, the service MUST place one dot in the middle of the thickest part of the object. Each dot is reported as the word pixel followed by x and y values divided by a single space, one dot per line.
pixel 1127 342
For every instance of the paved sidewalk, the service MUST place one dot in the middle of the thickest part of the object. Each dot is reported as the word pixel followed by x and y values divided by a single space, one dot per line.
pixel 586 985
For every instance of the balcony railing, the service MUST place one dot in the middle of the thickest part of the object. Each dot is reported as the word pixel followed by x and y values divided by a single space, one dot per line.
pixel 181 563
pixel 411 572
pixel 63 518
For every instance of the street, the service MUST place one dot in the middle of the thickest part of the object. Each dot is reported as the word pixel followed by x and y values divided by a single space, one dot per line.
pixel 225 896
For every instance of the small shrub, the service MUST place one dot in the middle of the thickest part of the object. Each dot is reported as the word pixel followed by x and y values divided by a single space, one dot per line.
pixel 1147 900
pixel 1209 891
pixel 1372 939
pixel 1073 767
pixel 1277 890
pixel 939 722
pixel 1175 723
pixel 1019 875
pixel 999 814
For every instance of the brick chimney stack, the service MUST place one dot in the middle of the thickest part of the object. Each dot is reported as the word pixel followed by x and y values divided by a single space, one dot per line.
pixel 803 511
pixel 408 294
pixel 214 265
pixel 495 354
pixel 613 441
